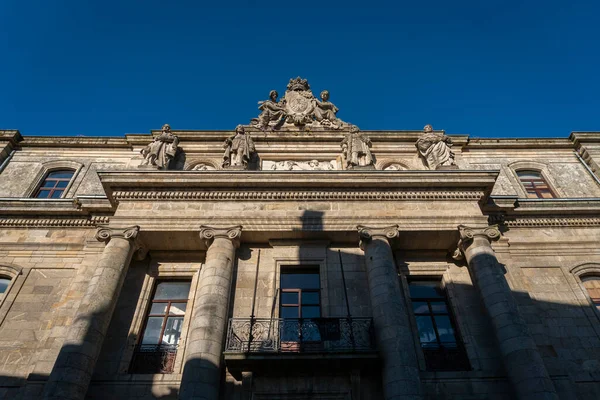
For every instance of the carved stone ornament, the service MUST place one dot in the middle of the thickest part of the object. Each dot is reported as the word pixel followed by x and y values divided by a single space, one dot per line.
pixel 467 234
pixel 239 149
pixel 356 150
pixel 203 167
pixel 104 234
pixel 290 165
pixel 299 107
pixel 367 233
pixel 233 233
pixel 161 152
pixel 435 149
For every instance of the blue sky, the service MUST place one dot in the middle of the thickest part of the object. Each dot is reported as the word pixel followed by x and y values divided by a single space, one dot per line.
pixel 489 68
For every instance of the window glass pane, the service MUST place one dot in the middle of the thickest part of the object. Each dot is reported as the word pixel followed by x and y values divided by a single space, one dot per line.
pixel 529 175
pixel 152 332
pixel 445 329
pixel 289 298
pixel 439 307
pixel 172 290
pixel 424 289
pixel 4 282
pixel 62 184
pixel 61 174
pixel 546 194
pixel 299 281
pixel 289 312
pixel 420 307
pixel 310 297
pixel 158 308
pixel 56 194
pixel 311 312
pixel 43 194
pixel 172 330
pixel 426 331
pixel 177 308
pixel 48 184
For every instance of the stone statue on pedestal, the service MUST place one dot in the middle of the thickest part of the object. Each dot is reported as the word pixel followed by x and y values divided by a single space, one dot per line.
pixel 162 150
pixel 356 149
pixel 239 149
pixel 435 149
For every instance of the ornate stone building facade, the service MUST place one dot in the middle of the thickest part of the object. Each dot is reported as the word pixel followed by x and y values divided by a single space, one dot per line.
pixel 298 257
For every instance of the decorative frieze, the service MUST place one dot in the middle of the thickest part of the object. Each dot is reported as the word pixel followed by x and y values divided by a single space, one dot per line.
pixel 300 195
pixel 53 222
pixel 295 165
pixel 552 222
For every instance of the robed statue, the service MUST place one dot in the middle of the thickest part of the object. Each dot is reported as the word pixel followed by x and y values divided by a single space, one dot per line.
pixel 356 149
pixel 435 149
pixel 239 149
pixel 162 150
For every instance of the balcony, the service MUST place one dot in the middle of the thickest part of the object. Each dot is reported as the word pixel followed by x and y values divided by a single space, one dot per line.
pixel 334 342
pixel 153 359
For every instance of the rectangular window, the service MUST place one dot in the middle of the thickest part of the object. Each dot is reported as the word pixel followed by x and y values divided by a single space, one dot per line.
pixel 162 329
pixel 300 308
pixel 439 340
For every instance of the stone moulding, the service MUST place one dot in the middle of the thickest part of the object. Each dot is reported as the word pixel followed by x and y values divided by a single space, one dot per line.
pixel 53 222
pixel 316 195
pixel 552 222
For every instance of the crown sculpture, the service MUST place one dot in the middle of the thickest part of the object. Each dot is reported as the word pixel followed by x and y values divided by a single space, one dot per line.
pixel 299 108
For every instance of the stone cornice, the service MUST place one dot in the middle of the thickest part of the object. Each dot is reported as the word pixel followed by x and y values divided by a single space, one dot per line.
pixel 535 222
pixel 518 143
pixel 233 233
pixel 24 206
pixel 297 185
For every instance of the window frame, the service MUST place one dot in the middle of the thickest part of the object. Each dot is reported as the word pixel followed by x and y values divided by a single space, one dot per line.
pixel 52 166
pixel 514 167
pixel 454 321
pixel 160 271
pixel 54 188
pixel 534 183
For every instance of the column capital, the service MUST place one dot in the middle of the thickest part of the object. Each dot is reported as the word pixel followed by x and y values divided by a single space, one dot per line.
pixel 233 233
pixel 367 233
pixel 467 233
pixel 105 234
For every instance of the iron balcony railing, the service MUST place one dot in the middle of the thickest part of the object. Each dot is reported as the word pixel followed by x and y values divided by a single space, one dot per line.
pixel 303 335
pixel 153 359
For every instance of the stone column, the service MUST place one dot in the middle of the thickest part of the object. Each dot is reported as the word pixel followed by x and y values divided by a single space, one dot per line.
pixel 523 363
pixel 202 369
pixel 75 364
pixel 390 316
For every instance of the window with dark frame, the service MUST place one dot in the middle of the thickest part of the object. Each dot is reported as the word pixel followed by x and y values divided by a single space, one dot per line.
pixel 300 305
pixel 535 185
pixel 162 328
pixel 54 184
pixel 592 285
pixel 441 346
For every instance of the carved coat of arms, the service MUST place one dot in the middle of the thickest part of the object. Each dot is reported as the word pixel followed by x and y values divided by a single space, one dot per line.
pixel 299 102
pixel 298 107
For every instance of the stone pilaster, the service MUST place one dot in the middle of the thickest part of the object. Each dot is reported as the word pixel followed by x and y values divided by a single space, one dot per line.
pixel 202 369
pixel 75 364
pixel 523 363
pixel 390 316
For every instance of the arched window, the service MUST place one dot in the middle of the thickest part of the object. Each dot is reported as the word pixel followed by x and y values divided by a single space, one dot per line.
pixel 4 283
pixel 54 184
pixel 535 185
pixel 592 285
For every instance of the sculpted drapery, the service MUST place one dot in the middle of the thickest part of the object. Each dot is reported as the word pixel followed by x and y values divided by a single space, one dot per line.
pixel 162 150
pixel 356 149
pixel 435 148
pixel 238 149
